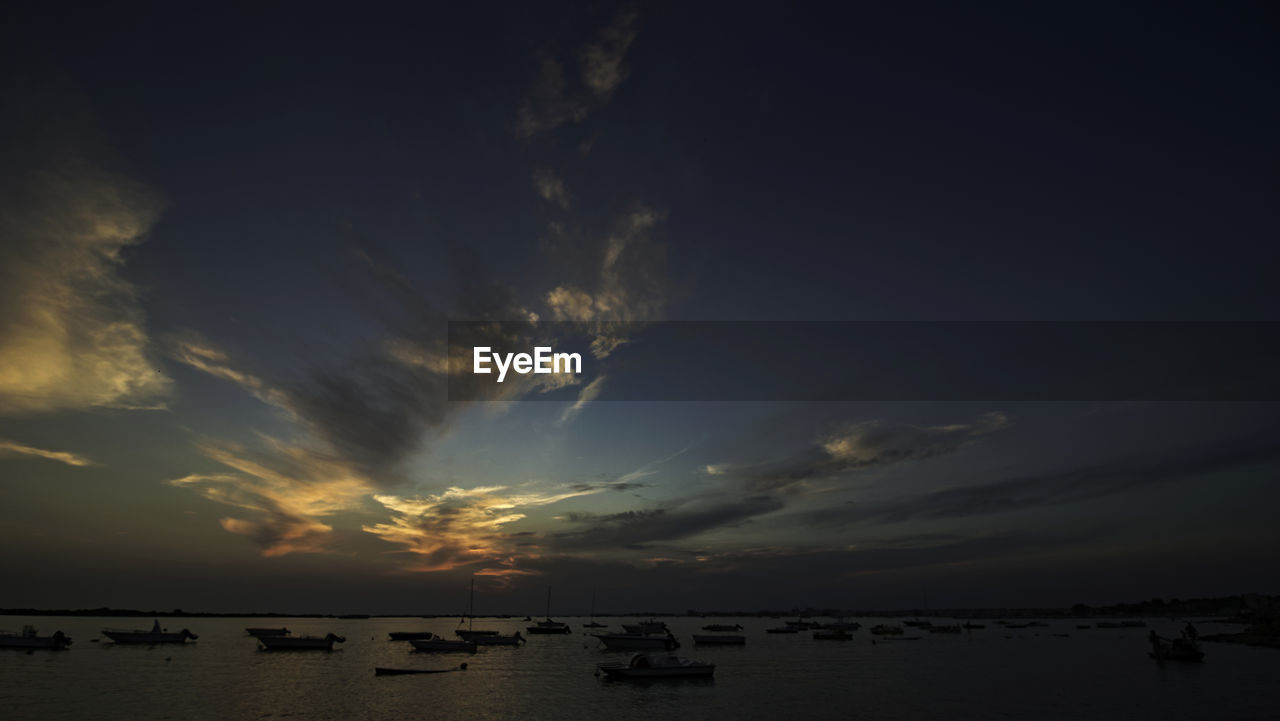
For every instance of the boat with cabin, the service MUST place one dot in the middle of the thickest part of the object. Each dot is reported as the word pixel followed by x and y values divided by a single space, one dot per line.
pixel 154 636
pixel 549 626
pixel 657 665
pixel 437 644
pixel 29 639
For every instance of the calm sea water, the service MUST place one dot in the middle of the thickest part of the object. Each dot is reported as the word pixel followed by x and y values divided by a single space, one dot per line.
pixel 987 674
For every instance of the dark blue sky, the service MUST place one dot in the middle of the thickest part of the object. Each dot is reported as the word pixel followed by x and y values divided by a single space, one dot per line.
pixel 234 236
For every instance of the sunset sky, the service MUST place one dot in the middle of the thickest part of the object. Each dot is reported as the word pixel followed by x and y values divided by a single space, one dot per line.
pixel 231 242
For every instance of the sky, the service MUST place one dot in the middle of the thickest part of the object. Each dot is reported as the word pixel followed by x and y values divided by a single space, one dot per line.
pixel 232 241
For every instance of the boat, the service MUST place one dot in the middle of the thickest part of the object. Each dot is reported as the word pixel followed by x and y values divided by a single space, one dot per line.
pixel 646 627
pixel 548 626
pixel 469 633
pixel 1186 650
pixel 384 671
pixel 719 639
pixel 657 665
pixel 29 639
pixel 782 629
pixel 917 623
pixel 257 632
pixel 721 627
pixel 970 626
pixel 409 635
pixel 436 644
pixel 300 643
pixel 832 634
pixel 637 641
pixel 945 629
pixel 843 626
pixel 498 639
pixel 802 625
pixel 592 623
pixel 887 630
pixel 154 636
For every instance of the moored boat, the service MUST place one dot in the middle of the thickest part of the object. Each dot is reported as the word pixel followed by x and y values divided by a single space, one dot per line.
pixel 436 644
pixel 29 639
pixel 832 634
pixel 637 641
pixel 300 643
pixel 154 636
pixel 548 626
pixel 646 627
pixel 945 629
pixel 498 639
pixel 721 627
pixel 887 630
pixel 657 665
pixel 782 629
pixel 257 632
pixel 409 635
pixel 384 671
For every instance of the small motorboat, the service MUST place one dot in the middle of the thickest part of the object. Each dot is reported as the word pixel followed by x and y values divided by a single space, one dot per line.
pixel 637 641
pixel 719 639
pixel 29 639
pixel 1185 649
pixel 498 639
pixel 436 644
pixel 383 671
pixel 651 626
pixel 154 636
pixel 300 643
pixel 409 635
pixel 467 634
pixel 657 665
pixel 260 632
pixel 721 627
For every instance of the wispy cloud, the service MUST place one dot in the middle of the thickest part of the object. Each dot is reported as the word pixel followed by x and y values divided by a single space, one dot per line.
pixel 860 446
pixel 552 101
pixel 588 393
pixel 12 448
pixel 674 521
pixel 73 334
pixel 551 187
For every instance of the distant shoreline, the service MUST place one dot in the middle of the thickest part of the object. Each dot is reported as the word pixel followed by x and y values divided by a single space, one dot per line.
pixel 1228 609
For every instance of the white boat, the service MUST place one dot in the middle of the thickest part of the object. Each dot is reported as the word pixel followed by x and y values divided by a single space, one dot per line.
pixel 154 636
pixel 436 644
pixel 637 641
pixel 719 639
pixel 300 643
pixel 29 639
pixel 657 665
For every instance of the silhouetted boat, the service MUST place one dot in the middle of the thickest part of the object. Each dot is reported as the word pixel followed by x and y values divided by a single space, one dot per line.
pixel 28 639
pixel 383 671
pixel 548 626
pixel 637 641
pixel 592 623
pixel 721 627
pixel 646 627
pixel 260 632
pixel 409 635
pixel 154 636
pixel 945 629
pixel 300 643
pixel 782 629
pixel 469 633
pixel 435 644
pixel 719 639
pixel 657 665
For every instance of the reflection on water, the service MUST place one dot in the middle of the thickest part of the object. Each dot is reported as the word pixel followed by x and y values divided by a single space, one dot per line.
pixel 995 672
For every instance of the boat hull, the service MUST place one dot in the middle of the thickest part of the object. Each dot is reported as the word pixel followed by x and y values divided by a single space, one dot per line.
pixel 286 643
pixel 144 638
pixel 36 642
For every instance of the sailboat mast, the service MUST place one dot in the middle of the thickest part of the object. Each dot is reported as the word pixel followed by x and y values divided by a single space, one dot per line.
pixel 471 605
